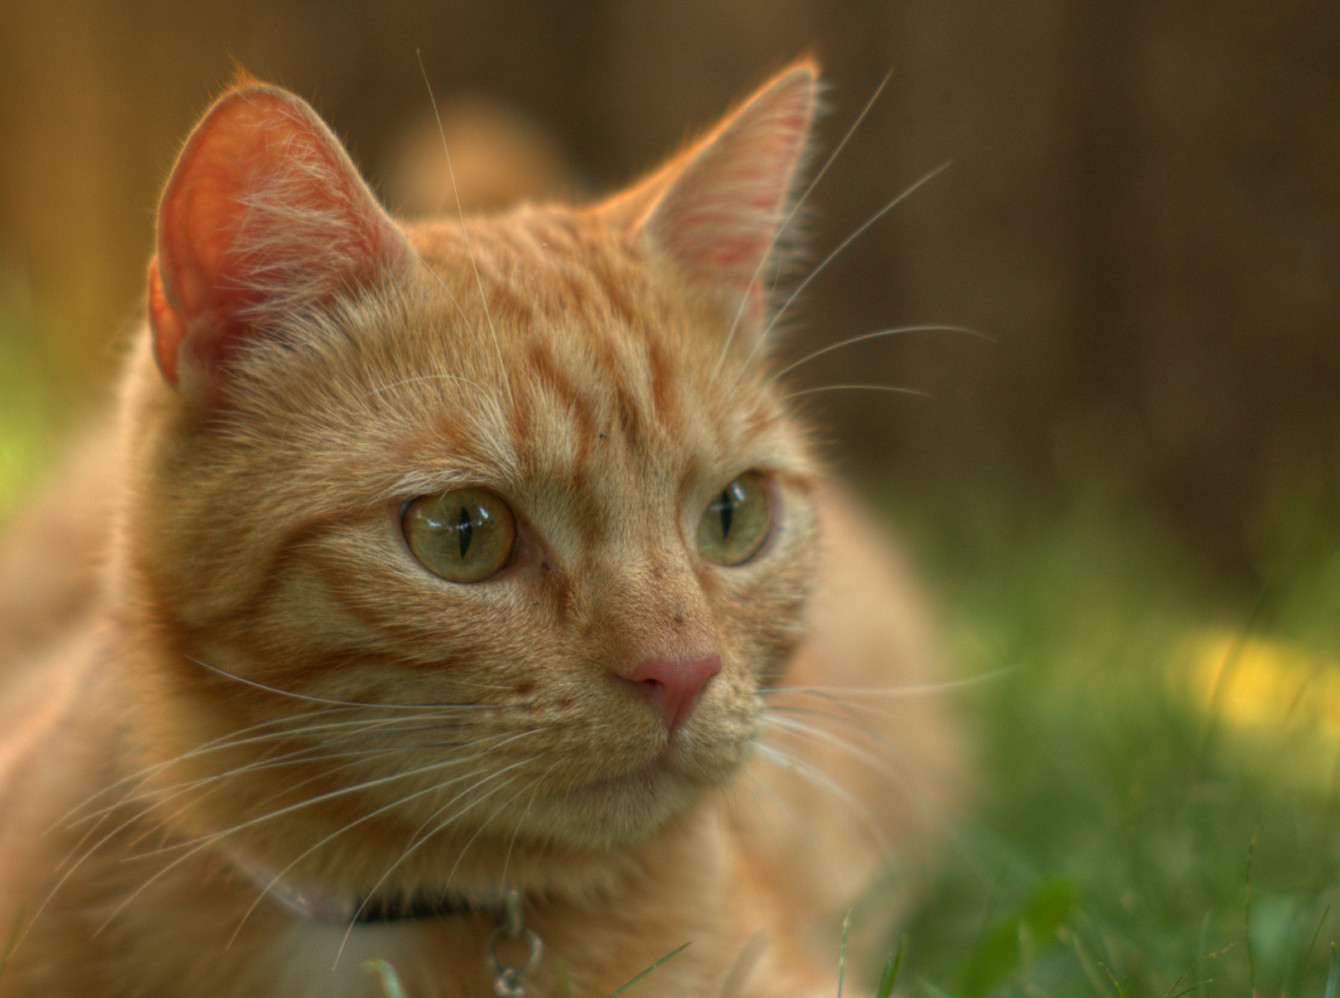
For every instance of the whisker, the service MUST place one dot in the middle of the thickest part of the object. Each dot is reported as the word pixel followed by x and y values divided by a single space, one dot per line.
pixel 356 758
pixel 490 745
pixel 878 334
pixel 855 233
pixel 890 760
pixel 818 778
pixel 156 767
pixel 162 797
pixel 893 389
pixel 465 231
pixel 755 783
pixel 303 755
pixel 203 842
pixel 516 828
pixel 899 692
pixel 398 802
pixel 418 840
pixel 844 745
pixel 484 824
pixel 223 743
pixel 308 698
pixel 786 222
pixel 194 846
pixel 299 756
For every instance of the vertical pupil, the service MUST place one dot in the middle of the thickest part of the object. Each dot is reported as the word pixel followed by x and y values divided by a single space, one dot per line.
pixel 465 526
pixel 727 510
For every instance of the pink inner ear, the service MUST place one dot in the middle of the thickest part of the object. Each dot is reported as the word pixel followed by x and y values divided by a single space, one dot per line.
pixel 720 216
pixel 264 214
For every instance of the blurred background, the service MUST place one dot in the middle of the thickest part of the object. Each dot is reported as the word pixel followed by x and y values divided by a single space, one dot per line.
pixel 1140 208
pixel 1124 494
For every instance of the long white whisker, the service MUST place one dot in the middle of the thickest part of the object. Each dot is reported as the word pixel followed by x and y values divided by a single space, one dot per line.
pixel 892 389
pixel 755 782
pixel 308 698
pixel 900 692
pixel 302 757
pixel 194 846
pixel 493 744
pixel 419 839
pixel 844 745
pixel 818 778
pixel 877 334
pixel 359 726
pixel 786 222
pixel 465 231
pixel 436 787
pixel 160 799
pixel 219 744
pixel 147 771
pixel 516 828
pixel 855 233
pixel 484 824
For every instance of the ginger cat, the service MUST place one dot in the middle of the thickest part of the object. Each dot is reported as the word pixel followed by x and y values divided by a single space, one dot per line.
pixel 475 603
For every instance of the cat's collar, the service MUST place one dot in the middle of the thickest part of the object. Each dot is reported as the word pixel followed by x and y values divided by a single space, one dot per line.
pixel 374 909
pixel 382 909
pixel 506 909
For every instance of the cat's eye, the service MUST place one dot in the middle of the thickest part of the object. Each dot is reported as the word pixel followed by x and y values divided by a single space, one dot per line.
pixel 465 535
pixel 736 522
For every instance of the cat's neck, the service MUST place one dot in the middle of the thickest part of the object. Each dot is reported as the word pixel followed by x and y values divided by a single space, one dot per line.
pixel 348 908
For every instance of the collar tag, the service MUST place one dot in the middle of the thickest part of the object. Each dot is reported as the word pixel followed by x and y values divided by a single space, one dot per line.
pixel 509 981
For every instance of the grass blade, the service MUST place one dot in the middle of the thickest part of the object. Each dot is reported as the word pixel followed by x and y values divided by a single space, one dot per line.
pixel 892 966
pixel 674 952
pixel 390 980
pixel 842 953
pixel 11 942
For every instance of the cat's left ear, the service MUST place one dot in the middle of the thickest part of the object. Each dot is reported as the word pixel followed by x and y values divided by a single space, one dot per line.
pixel 721 205
pixel 264 216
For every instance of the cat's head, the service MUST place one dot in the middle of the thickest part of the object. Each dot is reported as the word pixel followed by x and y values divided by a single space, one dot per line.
pixel 523 487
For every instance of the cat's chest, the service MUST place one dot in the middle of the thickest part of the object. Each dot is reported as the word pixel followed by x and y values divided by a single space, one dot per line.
pixel 325 960
pixel 442 958
pixel 436 958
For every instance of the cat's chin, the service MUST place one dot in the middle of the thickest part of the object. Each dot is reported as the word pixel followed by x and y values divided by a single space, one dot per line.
pixel 622 810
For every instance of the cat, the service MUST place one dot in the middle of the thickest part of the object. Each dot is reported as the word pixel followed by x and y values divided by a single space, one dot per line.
pixel 474 603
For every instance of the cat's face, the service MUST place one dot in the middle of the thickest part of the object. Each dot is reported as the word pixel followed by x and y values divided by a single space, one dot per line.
pixel 525 489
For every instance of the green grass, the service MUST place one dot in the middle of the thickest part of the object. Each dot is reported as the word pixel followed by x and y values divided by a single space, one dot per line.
pixel 1141 829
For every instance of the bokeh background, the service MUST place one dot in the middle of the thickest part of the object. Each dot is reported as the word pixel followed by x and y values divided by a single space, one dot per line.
pixel 1140 208
pixel 1125 493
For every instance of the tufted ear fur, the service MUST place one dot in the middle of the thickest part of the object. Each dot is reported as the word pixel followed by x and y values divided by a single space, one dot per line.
pixel 725 199
pixel 264 215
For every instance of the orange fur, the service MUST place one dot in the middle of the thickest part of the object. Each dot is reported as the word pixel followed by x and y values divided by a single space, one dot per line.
pixel 308 367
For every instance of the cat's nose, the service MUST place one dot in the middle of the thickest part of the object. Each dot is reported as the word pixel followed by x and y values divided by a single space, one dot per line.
pixel 673 684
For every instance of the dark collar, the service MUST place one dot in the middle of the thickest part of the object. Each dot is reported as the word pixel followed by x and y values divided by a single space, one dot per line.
pixel 379 910
pixel 374 910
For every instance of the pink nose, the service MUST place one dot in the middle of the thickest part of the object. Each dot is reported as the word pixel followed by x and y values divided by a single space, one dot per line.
pixel 673 684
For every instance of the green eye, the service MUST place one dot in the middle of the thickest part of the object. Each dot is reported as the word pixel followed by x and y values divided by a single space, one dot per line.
pixel 465 535
pixel 736 521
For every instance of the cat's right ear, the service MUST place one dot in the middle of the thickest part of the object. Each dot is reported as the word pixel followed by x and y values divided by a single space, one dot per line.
pixel 264 216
